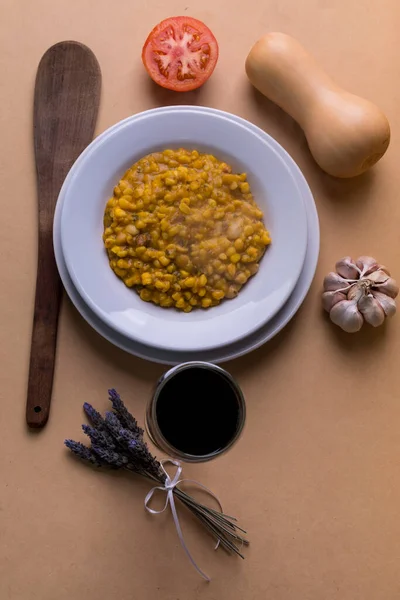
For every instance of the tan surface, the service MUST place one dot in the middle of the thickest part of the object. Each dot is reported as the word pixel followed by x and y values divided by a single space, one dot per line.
pixel 315 478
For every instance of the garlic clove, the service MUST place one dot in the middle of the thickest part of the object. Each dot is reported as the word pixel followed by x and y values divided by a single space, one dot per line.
pixel 385 269
pixel 367 264
pixel 355 292
pixel 386 302
pixel 347 268
pixel 371 310
pixel 378 276
pixel 333 282
pixel 329 299
pixel 346 315
pixel 389 287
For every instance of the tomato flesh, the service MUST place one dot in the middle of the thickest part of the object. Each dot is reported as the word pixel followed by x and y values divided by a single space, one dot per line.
pixel 180 53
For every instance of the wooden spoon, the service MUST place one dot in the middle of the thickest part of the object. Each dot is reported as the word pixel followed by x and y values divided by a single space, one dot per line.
pixel 67 96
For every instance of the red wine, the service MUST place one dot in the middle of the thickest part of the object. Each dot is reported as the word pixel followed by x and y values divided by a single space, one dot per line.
pixel 199 411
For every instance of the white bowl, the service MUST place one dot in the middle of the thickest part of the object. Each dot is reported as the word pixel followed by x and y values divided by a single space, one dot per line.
pixel 218 355
pixel 274 185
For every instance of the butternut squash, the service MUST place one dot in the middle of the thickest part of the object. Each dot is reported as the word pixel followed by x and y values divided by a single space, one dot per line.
pixel 346 134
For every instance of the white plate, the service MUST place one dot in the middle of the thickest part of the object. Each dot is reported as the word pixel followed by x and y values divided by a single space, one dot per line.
pixel 275 188
pixel 251 342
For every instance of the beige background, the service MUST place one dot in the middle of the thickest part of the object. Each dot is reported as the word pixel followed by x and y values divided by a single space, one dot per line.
pixel 316 476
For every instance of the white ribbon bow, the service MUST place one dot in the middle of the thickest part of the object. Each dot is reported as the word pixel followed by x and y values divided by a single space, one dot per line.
pixel 168 487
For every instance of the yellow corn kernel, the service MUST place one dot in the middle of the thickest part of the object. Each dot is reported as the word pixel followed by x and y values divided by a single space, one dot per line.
pixel 266 239
pixel 189 281
pixel 122 264
pixel 119 213
pixel 253 268
pixel 146 279
pixel 194 186
pixel 218 294
pixel 169 181
pixel 235 258
pixel 159 285
pixel 184 208
pixel 206 302
pixel 117 191
pixel 166 302
pixel 193 301
pixel 170 197
pixel 241 278
pixel 187 295
pixel 182 261
pixel 251 251
pixel 201 292
pixel 131 229
pixel 229 178
pixel 138 192
pixel 125 203
pixel 156 263
pixel 131 281
pixel 173 231
pixel 244 188
pixel 181 303
pixel 222 256
pixel 121 238
pixel 109 242
pixel 164 261
pixel 187 308
pixel 140 224
pixel 248 230
pixel 230 251
pixel 177 296
pixel 239 244
pixel 231 270
pixel 119 272
pixel 145 295
pixel 202 280
pixel 233 185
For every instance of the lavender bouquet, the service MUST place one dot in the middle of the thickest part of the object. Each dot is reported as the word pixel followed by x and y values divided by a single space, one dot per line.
pixel 117 442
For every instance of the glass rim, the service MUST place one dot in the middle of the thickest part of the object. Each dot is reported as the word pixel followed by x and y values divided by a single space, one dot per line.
pixel 163 443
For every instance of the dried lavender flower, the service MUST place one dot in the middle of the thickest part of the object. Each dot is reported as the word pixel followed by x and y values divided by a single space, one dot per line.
pixel 113 424
pixel 94 416
pixel 142 456
pixel 127 420
pixel 112 458
pixel 100 438
pixel 83 452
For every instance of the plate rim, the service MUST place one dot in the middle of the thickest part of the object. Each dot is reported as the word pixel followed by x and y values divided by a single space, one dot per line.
pixel 162 344
pixel 226 353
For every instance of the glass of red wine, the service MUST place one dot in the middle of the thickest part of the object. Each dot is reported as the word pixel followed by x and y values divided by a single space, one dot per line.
pixel 197 412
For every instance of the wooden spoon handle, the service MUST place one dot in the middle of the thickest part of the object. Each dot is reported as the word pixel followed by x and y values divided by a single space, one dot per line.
pixel 44 335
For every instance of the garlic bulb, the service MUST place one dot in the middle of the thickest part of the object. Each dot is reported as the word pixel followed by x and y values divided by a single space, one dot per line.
pixel 359 291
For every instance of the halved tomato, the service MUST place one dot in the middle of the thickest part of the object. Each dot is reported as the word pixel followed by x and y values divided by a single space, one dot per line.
pixel 180 53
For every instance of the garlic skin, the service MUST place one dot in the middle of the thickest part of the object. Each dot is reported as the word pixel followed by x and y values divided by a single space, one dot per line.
pixel 359 291
pixel 347 269
pixel 371 310
pixel 347 316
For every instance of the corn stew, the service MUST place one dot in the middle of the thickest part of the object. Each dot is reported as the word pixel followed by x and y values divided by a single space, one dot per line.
pixel 183 230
